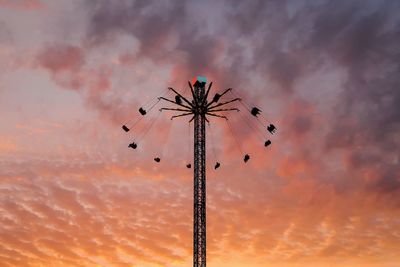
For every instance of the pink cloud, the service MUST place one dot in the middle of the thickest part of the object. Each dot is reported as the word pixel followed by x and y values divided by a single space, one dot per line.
pixel 22 4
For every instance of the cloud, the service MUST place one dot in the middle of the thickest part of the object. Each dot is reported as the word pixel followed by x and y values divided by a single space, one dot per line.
pixel 326 190
pixel 115 220
pixel 22 5
pixel 62 58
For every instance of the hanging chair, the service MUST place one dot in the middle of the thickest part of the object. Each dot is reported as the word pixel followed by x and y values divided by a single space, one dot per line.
pixel 217 165
pixel 178 100
pixel 271 128
pixel 133 145
pixel 216 98
pixel 142 111
pixel 255 111
pixel 267 143
pixel 126 129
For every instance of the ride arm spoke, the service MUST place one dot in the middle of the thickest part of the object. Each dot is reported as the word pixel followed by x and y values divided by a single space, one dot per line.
pixel 193 95
pixel 226 91
pixel 212 102
pixel 224 109
pixel 208 91
pixel 224 103
pixel 181 115
pixel 219 116
pixel 173 102
pixel 175 109
pixel 187 101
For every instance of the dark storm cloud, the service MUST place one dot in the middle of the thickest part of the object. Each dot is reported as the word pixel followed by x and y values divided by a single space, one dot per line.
pixel 367 112
pixel 362 38
pixel 267 25
pixel 5 33
pixel 155 24
pixel 148 21
pixel 368 49
pixel 285 41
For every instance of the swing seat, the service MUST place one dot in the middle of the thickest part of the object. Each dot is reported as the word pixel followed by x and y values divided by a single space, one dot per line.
pixel 142 111
pixel 267 143
pixel 255 111
pixel 133 145
pixel 271 128
pixel 126 129
pixel 246 158
pixel 178 99
pixel 217 165
pixel 157 159
pixel 216 98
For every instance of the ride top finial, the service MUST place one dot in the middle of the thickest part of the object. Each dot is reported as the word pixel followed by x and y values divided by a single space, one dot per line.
pixel 199 79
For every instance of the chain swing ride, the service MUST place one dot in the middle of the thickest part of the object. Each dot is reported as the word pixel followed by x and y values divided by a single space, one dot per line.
pixel 199 109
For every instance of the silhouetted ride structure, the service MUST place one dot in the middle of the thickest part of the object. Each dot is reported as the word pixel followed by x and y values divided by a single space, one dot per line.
pixel 200 109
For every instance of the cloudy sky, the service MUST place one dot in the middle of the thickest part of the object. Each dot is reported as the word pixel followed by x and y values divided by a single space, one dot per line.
pixel 325 193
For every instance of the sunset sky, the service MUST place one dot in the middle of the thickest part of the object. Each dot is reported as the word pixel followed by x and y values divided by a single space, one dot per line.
pixel 326 193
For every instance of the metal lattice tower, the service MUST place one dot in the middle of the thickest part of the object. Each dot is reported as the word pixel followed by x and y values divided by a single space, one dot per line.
pixel 200 108
pixel 199 194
